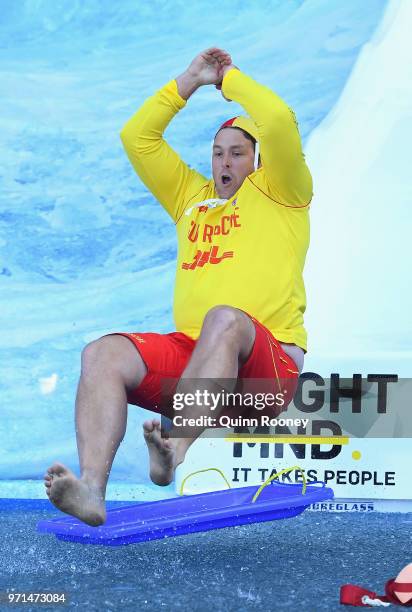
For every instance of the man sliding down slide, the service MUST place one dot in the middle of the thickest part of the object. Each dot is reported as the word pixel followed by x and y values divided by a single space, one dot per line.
pixel 239 295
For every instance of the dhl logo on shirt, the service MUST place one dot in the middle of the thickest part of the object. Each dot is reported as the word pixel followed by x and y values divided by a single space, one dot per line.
pixel 206 257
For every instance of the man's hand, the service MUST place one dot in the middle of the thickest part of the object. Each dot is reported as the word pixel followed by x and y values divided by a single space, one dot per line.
pixel 206 69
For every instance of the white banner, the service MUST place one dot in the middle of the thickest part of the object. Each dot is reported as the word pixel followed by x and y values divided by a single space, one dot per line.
pixel 362 469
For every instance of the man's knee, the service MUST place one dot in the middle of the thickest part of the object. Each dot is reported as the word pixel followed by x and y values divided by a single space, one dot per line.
pixel 231 326
pixel 114 354
pixel 227 322
pixel 221 319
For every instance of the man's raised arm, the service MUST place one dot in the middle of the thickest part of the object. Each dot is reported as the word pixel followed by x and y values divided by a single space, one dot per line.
pixel 289 181
pixel 160 168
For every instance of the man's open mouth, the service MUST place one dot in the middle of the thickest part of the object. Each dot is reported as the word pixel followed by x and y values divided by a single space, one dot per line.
pixel 226 179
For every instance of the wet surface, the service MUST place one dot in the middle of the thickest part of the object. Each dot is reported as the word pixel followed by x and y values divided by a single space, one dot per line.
pixel 294 564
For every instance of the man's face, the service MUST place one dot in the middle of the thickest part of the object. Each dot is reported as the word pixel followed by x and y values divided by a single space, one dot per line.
pixel 233 160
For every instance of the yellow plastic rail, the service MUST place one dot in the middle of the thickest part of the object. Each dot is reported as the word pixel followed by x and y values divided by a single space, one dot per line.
pixel 276 475
pixel 199 472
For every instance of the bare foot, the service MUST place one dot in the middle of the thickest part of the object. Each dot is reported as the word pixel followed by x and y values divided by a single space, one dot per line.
pixel 74 496
pixel 161 454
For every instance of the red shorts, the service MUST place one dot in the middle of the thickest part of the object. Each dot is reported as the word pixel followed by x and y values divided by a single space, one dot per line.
pixel 167 355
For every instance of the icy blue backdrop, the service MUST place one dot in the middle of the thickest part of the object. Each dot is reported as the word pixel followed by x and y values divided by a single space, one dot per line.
pixel 84 248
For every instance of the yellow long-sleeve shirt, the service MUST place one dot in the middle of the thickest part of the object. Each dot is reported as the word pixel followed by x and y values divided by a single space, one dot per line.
pixel 248 253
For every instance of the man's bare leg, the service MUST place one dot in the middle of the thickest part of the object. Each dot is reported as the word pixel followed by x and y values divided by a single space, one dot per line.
pixel 110 366
pixel 225 342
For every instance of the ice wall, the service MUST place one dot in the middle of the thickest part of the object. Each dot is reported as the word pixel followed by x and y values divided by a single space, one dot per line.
pixel 358 268
pixel 84 248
